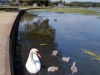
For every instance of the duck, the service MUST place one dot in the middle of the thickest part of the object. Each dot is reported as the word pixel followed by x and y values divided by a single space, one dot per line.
pixel 46 19
pixel 33 64
pixel 66 59
pixel 52 69
pixel 73 68
pixel 54 53
pixel 55 20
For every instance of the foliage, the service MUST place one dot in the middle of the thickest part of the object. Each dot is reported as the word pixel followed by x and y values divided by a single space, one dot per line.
pixel 39 2
pixel 7 10
pixel 84 4
pixel 51 3
pixel 77 4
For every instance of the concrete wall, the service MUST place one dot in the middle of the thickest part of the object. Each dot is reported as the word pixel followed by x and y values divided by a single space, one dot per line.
pixel 12 45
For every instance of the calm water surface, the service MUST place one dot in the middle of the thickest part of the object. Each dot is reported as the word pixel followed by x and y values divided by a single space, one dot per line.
pixel 71 34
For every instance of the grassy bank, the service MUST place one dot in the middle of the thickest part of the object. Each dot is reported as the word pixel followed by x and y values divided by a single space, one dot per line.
pixel 70 10
pixel 9 8
pixel 18 7
pixel 65 10
pixel 73 10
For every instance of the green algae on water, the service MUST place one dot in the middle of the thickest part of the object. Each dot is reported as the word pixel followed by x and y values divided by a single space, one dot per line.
pixel 96 57
pixel 89 53
pixel 43 44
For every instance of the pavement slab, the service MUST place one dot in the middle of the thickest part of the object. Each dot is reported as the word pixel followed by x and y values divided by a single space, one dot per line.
pixel 6 22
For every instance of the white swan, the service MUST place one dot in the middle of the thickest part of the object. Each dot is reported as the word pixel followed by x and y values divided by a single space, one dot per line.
pixel 33 64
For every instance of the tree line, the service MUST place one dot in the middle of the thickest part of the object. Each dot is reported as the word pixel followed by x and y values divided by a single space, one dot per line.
pixel 76 4
pixel 54 3
pixel 39 2
pixel 27 2
pixel 84 4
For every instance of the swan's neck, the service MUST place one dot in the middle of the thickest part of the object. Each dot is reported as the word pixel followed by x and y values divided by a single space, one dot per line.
pixel 73 64
pixel 31 56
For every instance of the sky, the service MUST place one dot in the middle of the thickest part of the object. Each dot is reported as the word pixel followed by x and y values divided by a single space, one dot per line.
pixel 79 0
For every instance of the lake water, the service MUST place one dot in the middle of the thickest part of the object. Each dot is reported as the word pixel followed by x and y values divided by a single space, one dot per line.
pixel 70 35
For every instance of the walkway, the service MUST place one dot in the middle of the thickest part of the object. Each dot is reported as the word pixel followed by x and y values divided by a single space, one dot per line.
pixel 6 21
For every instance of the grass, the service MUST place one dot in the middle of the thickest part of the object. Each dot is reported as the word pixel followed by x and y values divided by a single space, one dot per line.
pixel 65 10
pixel 7 8
pixel 96 57
pixel 70 10
pixel 28 7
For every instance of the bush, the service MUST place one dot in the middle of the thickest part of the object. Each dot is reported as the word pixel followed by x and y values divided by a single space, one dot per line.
pixel 7 10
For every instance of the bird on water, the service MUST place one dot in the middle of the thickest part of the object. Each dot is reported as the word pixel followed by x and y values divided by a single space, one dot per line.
pixel 33 64
pixel 52 69
pixel 54 53
pixel 66 59
pixel 74 68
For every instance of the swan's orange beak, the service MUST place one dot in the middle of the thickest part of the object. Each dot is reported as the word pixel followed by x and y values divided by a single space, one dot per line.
pixel 38 54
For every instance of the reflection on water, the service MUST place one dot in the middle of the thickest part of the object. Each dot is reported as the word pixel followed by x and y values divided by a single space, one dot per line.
pixel 70 35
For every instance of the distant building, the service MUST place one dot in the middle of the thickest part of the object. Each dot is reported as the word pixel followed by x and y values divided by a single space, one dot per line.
pixel 0 4
pixel 60 4
pixel 67 2
pixel 35 4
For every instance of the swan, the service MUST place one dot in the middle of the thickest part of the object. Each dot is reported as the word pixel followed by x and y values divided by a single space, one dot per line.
pixel 52 69
pixel 66 59
pixel 54 53
pixel 74 68
pixel 33 64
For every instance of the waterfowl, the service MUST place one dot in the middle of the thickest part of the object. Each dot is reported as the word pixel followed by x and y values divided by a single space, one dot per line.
pixel 52 69
pixel 47 19
pixel 55 20
pixel 54 53
pixel 33 64
pixel 66 59
pixel 73 68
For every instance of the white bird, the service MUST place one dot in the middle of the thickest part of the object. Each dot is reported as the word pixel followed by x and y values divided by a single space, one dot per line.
pixel 54 53
pixel 33 64
pixel 66 59
pixel 73 68
pixel 52 69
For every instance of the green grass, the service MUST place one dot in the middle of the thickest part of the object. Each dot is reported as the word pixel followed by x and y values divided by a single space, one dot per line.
pixel 82 11
pixel 20 7
pixel 70 10
pixel 65 10
pixel 28 7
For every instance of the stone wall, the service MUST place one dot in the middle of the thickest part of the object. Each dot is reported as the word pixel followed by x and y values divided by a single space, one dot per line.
pixel 12 45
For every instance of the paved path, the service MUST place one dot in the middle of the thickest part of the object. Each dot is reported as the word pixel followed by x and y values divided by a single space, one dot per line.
pixel 6 21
